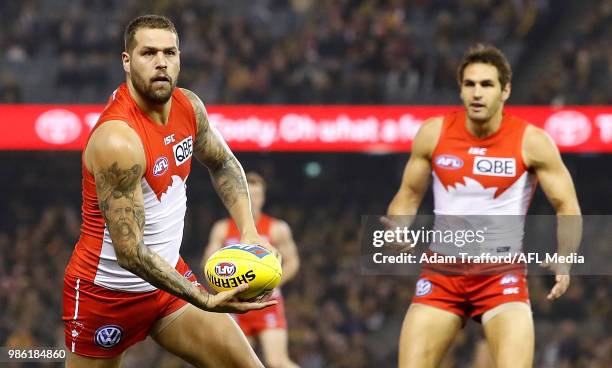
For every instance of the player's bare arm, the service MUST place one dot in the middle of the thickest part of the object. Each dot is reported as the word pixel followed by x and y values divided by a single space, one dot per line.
pixel 215 240
pixel 542 156
pixel 417 173
pixel 116 157
pixel 225 170
pixel 281 237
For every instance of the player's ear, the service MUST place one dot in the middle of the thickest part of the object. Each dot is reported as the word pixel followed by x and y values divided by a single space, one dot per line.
pixel 506 91
pixel 125 58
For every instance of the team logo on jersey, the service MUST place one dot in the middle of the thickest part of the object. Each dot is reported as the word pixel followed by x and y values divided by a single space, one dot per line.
pixel 509 280
pixel 494 166
pixel 108 336
pixel 449 162
pixel 183 150
pixel 225 269
pixel 423 287
pixel 161 166
pixel 188 274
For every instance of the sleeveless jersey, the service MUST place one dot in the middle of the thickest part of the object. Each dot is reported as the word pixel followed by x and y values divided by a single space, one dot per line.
pixel 168 150
pixel 483 177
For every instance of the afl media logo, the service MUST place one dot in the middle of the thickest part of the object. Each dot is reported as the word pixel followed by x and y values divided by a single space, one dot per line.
pixel 449 162
pixel 108 336
pixel 225 269
pixel 161 166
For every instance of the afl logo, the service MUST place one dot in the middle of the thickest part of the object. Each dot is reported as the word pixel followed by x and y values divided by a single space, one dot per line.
pixel 423 287
pixel 449 162
pixel 568 128
pixel 225 269
pixel 108 336
pixel 161 166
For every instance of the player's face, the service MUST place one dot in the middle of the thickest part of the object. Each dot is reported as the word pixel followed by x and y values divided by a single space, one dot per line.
pixel 481 92
pixel 258 196
pixel 154 64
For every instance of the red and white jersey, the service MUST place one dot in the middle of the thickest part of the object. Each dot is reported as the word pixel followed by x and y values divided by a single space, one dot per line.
pixel 486 177
pixel 168 151
pixel 263 225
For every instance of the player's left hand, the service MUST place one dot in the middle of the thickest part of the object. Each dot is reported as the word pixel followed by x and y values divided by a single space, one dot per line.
pixel 562 279
pixel 257 240
pixel 561 285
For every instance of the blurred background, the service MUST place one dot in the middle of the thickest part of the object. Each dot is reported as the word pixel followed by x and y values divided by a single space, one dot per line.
pixel 301 52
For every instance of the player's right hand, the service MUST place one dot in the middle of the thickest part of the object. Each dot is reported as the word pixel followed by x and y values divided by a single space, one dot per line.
pixel 398 247
pixel 227 302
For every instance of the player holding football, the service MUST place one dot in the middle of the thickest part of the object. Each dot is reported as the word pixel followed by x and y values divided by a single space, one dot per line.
pixel 126 279
pixel 458 152
pixel 268 326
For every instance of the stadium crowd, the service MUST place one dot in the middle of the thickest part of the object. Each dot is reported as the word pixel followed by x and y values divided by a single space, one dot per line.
pixel 337 316
pixel 303 51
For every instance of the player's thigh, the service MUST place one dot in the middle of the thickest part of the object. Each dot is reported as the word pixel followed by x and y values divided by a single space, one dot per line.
pixel 273 343
pixel 206 339
pixel 426 335
pixel 510 335
pixel 79 361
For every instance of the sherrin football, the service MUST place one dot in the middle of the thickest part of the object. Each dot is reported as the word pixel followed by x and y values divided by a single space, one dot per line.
pixel 240 263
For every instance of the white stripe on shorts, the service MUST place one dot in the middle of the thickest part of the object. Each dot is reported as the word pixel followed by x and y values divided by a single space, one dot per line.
pixel 76 310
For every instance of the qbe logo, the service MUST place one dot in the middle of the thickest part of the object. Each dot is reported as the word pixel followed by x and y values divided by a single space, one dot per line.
pixel 225 269
pixel 183 150
pixel 494 166
pixel 449 162
pixel 108 336
pixel 423 287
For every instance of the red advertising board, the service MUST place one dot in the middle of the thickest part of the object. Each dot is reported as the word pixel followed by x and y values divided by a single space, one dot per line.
pixel 303 128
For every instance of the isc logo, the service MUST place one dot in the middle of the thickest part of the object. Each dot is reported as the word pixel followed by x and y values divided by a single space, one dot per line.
pixel 494 166
pixel 225 269
pixel 449 162
pixel 183 150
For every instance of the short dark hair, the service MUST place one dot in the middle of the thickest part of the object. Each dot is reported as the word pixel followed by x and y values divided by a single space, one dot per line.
pixel 486 54
pixel 151 21
pixel 254 178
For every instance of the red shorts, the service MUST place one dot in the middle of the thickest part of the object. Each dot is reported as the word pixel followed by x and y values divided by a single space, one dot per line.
pixel 102 323
pixel 254 322
pixel 470 296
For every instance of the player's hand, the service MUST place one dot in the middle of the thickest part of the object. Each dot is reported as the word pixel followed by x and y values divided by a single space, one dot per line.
pixel 399 247
pixel 226 302
pixel 561 285
pixel 562 279
pixel 257 240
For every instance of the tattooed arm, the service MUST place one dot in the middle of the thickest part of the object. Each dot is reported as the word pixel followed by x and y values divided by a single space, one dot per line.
pixel 116 158
pixel 225 170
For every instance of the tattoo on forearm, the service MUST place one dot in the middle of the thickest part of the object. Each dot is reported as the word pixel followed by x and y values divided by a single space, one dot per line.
pixel 210 149
pixel 125 219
